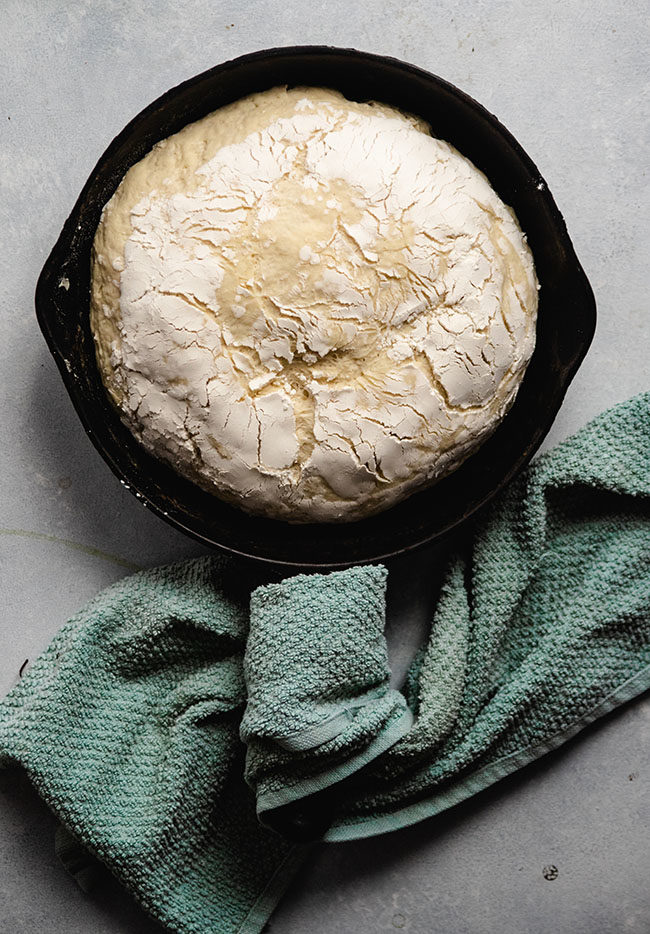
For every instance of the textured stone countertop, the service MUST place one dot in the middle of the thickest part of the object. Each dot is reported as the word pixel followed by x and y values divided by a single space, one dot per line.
pixel 570 80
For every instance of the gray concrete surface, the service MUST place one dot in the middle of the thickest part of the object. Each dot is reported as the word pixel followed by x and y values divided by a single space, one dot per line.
pixel 570 80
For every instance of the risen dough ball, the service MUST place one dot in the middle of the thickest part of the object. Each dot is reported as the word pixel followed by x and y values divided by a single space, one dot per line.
pixel 311 307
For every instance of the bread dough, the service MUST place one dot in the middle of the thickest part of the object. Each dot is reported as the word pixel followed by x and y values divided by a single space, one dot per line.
pixel 310 306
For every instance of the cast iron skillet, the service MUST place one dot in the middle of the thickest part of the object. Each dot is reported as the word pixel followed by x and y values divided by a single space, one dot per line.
pixel 566 323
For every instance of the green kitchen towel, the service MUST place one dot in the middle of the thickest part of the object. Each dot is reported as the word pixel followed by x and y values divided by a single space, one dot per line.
pixel 335 712
pixel 171 720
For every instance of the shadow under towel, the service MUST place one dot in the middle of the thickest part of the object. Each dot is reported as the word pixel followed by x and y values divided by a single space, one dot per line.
pixel 174 721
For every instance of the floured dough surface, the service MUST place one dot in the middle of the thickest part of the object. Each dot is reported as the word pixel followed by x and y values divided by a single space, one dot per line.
pixel 309 306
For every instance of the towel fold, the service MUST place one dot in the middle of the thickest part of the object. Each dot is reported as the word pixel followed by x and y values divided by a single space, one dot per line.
pixel 170 720
pixel 319 706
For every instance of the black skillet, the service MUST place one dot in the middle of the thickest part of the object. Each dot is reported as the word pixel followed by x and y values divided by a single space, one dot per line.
pixel 566 322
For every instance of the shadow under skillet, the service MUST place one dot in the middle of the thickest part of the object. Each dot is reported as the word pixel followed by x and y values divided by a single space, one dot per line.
pixel 101 513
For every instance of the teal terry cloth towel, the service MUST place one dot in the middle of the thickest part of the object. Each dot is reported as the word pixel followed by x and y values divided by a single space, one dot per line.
pixel 176 719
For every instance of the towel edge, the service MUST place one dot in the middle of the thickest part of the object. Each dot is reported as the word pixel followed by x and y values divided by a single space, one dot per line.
pixel 490 774
pixel 390 735
pixel 267 901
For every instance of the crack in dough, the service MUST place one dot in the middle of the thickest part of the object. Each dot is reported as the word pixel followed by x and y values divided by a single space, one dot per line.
pixel 309 306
